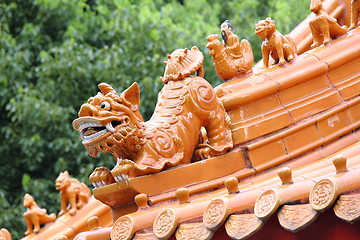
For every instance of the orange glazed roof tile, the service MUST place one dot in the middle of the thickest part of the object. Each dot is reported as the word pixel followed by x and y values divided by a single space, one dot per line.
pixel 296 156
pixel 295 173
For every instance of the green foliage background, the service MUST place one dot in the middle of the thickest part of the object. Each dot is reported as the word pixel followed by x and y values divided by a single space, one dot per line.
pixel 54 53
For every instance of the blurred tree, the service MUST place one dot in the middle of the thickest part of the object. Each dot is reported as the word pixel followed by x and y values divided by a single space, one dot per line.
pixel 53 53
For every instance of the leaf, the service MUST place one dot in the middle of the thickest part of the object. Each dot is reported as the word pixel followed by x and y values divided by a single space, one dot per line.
pixel 25 180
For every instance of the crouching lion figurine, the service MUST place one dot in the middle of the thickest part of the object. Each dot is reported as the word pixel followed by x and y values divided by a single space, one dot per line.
pixel 34 216
pixel 110 123
pixel 279 47
pixel 72 191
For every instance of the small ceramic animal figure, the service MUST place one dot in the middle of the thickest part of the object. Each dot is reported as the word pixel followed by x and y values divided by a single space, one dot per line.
pixel 355 13
pixel 280 48
pixel 112 123
pixel 323 27
pixel 34 216
pixel 4 234
pixel 72 191
pixel 232 57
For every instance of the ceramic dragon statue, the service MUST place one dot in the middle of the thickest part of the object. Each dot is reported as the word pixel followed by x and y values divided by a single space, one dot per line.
pixel 112 123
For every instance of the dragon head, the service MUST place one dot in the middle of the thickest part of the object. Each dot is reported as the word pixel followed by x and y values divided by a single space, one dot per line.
pixel 264 28
pixel 112 123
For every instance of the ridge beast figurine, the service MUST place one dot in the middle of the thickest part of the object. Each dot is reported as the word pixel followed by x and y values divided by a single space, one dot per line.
pixel 110 123
pixel 279 47
pixel 5 234
pixel 72 191
pixel 34 216
pixel 323 26
pixel 355 12
pixel 232 57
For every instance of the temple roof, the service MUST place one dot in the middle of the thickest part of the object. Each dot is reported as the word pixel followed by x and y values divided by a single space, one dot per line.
pixel 299 170
pixel 296 155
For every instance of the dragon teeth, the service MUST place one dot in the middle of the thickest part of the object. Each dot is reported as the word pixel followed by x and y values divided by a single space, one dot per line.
pixel 95 135
pixel 88 124
pixel 110 128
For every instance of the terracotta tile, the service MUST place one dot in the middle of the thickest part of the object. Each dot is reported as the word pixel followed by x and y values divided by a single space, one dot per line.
pixel 352 151
pixel 295 191
pixel 313 104
pixel 257 107
pixel 243 200
pixel 305 170
pixel 250 95
pixel 92 208
pixel 268 155
pixel 349 88
pixel 302 141
pixel 311 68
pixel 305 160
pixel 240 83
pixel 345 71
pixel 357 133
pixel 354 111
pixel 258 126
pixel 266 178
pixel 333 125
pixel 52 231
pixel 324 174
pixel 339 144
pixel 330 54
pixel 196 172
pixel 302 90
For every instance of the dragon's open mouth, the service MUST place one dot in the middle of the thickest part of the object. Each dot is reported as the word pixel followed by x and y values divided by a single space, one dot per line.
pixel 94 130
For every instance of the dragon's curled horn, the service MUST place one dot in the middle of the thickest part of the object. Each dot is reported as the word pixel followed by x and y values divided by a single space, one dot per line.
pixel 106 88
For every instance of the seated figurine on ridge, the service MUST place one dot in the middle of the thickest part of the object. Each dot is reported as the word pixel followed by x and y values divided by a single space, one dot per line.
pixel 4 234
pixel 355 13
pixel 232 57
pixel 72 191
pixel 279 47
pixel 35 215
pixel 110 123
pixel 323 26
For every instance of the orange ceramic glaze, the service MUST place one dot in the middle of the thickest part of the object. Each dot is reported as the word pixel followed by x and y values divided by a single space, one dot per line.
pixel 323 26
pixel 283 139
pixel 232 57
pixel 274 44
pixel 34 216
pixel 72 191
pixel 4 234
pixel 355 11
pixel 112 123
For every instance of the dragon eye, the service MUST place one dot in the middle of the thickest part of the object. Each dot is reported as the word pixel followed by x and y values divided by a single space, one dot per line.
pixel 105 106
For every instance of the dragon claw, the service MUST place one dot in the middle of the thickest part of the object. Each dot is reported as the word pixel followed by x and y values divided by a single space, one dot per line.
pixel 123 170
pixel 101 177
